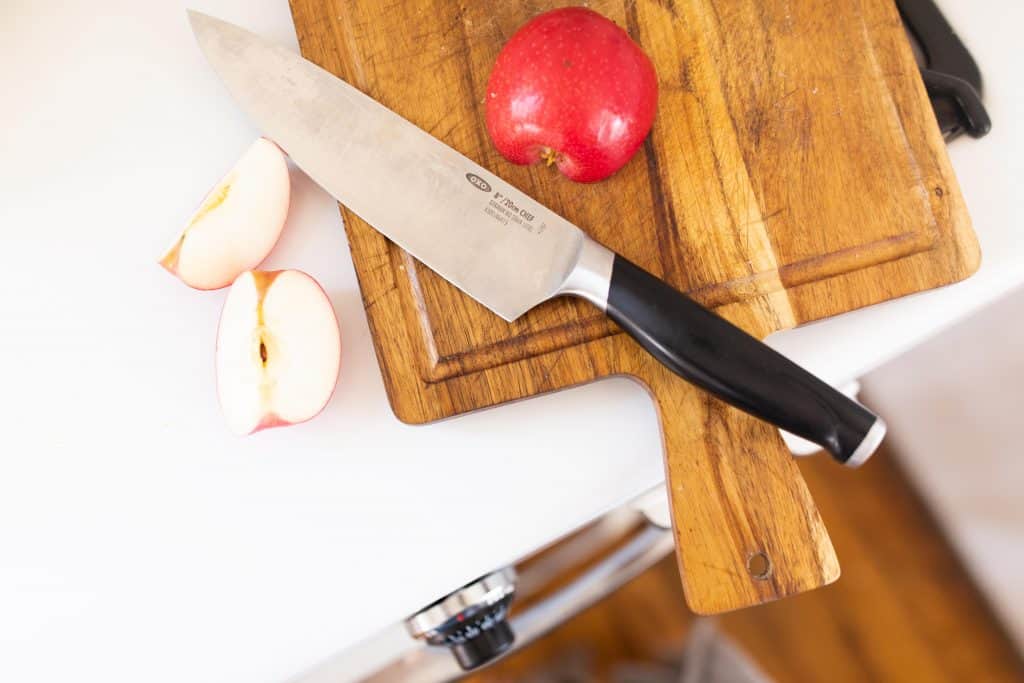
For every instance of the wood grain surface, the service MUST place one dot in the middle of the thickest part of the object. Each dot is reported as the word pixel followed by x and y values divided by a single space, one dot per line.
pixel 794 171
pixel 905 610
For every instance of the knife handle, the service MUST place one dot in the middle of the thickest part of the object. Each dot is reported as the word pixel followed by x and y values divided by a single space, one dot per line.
pixel 714 354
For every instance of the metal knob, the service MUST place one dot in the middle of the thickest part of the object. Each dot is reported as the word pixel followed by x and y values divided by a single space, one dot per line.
pixel 471 622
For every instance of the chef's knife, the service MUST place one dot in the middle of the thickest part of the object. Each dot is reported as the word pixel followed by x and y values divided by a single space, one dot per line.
pixel 504 249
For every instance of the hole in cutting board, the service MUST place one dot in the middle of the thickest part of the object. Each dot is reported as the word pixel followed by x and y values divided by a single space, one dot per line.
pixel 759 566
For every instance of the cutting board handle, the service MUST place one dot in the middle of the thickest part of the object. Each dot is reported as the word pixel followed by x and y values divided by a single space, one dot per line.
pixel 746 528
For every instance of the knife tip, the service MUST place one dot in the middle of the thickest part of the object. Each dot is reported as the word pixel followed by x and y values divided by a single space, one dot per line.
pixel 198 19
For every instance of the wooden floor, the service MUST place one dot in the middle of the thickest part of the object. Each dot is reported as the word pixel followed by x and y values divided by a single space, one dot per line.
pixel 904 609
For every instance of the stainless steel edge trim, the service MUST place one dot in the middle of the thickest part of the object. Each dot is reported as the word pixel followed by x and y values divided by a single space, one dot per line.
pixel 645 549
pixel 591 277
pixel 432 664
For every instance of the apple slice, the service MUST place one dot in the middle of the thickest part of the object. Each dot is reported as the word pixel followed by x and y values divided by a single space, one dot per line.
pixel 237 223
pixel 278 350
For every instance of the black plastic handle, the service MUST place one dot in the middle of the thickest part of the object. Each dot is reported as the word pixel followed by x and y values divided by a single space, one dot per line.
pixel 716 355
pixel 974 116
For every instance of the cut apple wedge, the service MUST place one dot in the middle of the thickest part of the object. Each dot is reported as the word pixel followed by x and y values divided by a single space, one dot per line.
pixel 237 223
pixel 278 350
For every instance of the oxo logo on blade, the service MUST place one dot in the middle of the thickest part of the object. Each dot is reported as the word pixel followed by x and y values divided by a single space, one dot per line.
pixel 478 182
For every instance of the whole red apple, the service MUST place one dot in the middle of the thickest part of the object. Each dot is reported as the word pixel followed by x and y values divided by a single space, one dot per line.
pixel 571 88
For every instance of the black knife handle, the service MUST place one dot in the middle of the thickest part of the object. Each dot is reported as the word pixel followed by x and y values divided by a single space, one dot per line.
pixel 714 354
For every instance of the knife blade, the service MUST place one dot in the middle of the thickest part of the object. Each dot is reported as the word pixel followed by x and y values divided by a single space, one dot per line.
pixel 502 247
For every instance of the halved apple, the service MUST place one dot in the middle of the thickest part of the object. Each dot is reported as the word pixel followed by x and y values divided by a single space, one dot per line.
pixel 278 350
pixel 237 223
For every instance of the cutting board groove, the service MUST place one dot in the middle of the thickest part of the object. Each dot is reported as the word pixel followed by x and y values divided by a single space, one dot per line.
pixel 794 172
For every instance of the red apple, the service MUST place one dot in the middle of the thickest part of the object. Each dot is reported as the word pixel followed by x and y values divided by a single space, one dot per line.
pixel 571 88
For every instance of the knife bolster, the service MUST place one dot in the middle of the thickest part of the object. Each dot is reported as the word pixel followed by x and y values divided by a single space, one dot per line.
pixel 591 277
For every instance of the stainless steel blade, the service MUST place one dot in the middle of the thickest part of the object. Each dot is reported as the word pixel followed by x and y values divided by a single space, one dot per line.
pixel 483 235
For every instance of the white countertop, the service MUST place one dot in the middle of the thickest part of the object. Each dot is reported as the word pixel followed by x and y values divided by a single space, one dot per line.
pixel 139 540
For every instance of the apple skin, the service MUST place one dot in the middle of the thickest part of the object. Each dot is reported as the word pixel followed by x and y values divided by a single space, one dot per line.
pixel 573 89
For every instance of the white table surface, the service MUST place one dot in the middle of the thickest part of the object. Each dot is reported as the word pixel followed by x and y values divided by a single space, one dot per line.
pixel 139 540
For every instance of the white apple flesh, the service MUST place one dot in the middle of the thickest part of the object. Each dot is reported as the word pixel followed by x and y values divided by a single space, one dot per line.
pixel 278 350
pixel 237 223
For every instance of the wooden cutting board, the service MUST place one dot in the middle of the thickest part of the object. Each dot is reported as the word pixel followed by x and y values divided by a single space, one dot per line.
pixel 795 171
